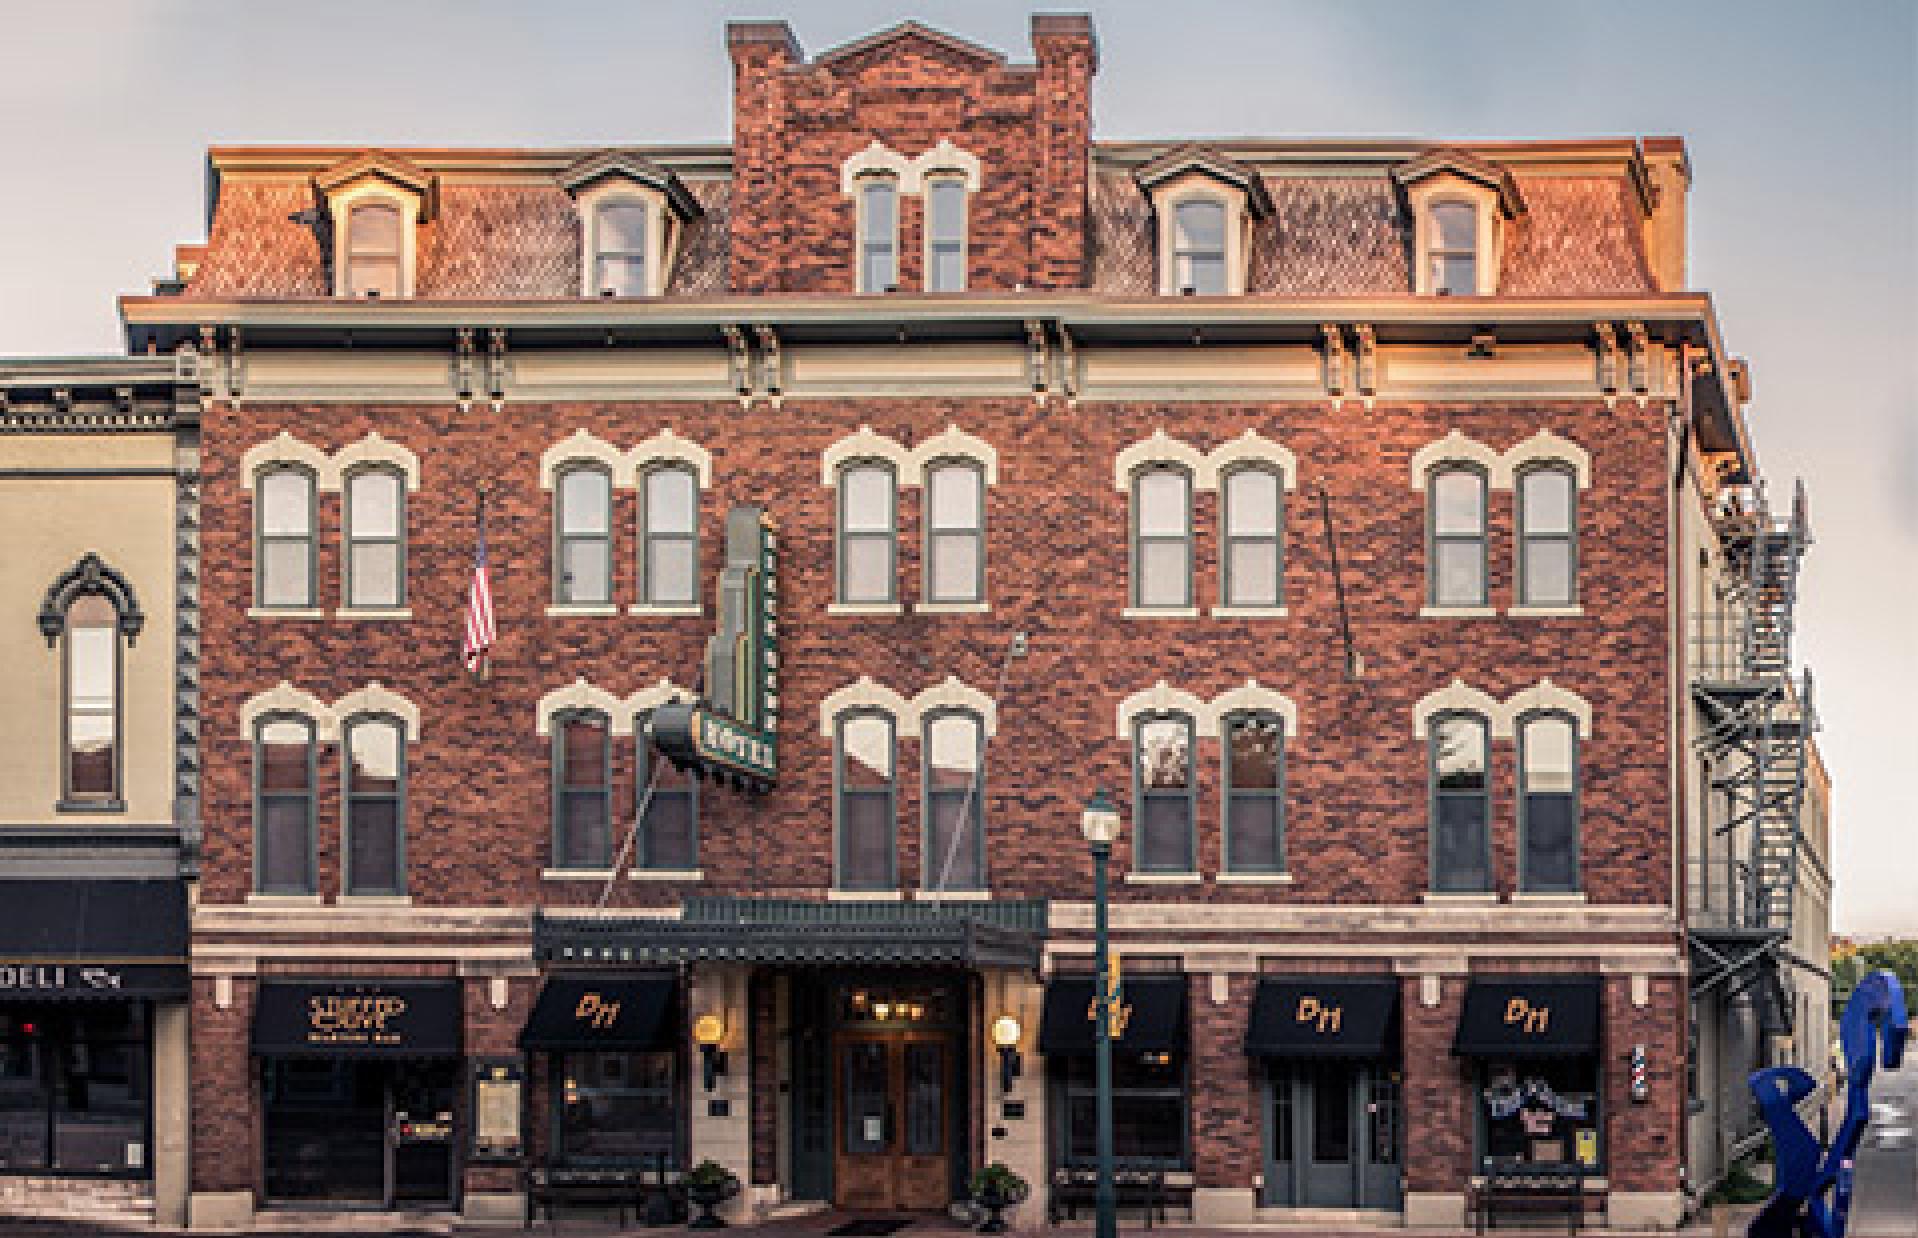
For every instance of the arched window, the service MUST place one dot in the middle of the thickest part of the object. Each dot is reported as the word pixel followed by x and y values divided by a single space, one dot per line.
pixel 955 848
pixel 669 538
pixel 1458 536
pixel 1548 804
pixel 1198 247
pixel 92 702
pixel 868 529
pixel 582 790
pixel 878 233
pixel 375 817
pixel 1547 537
pixel 1453 252
pixel 373 250
pixel 375 538
pixel 946 234
pixel 584 524
pixel 669 822
pixel 1254 793
pixel 619 248
pixel 1254 553
pixel 1461 804
pixel 284 751
pixel 864 765
pixel 1165 794
pixel 285 569
pixel 955 532
pixel 1162 538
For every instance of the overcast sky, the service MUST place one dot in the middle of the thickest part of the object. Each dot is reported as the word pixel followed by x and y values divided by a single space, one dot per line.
pixel 1802 121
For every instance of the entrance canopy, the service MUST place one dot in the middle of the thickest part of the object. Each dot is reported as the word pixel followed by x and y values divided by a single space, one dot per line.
pixel 374 1018
pixel 1324 1016
pixel 1153 1007
pixel 67 939
pixel 1527 1016
pixel 608 1011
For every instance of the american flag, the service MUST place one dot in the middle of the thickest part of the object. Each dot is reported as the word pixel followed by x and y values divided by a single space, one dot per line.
pixel 476 650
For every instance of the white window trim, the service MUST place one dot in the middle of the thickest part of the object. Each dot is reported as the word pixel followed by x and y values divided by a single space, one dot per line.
pixel 955 694
pixel 662 232
pixel 582 695
pixel 340 207
pixel 1545 448
pixel 864 693
pixel 951 443
pixel 1457 448
pixel 1160 449
pixel 866 444
pixel 374 449
pixel 284 698
pixel 965 230
pixel 283 448
pixel 1490 236
pixel 582 447
pixel 859 232
pixel 1163 698
pixel 666 447
pixel 1195 186
pixel 377 698
pixel 1503 716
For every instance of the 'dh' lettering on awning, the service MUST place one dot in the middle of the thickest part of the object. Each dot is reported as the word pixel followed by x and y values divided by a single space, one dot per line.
pixel 1523 1016
pixel 1324 1016
pixel 1152 1008
pixel 613 1011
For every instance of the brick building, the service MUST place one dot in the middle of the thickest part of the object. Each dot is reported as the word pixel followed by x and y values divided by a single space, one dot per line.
pixel 1315 498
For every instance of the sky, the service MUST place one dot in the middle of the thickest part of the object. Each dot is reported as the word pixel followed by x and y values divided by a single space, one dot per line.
pixel 1801 120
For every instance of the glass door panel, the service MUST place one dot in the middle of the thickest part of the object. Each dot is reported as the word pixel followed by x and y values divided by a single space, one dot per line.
pixel 1330 1172
pixel 867 1098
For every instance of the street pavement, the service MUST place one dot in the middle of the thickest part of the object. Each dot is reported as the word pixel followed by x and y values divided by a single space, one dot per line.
pixel 1885 1199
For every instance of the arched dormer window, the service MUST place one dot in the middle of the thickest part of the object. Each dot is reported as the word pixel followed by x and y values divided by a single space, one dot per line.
pixel 620 230
pixel 633 217
pixel 85 613
pixel 374 250
pixel 1207 205
pixel 1453 255
pixel 1198 247
pixel 878 232
pixel 376 202
pixel 1459 203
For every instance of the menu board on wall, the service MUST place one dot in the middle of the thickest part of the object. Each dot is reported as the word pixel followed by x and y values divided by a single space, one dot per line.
pixel 497 1088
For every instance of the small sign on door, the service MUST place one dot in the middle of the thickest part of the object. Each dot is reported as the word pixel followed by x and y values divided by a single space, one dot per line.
pixel 875 1130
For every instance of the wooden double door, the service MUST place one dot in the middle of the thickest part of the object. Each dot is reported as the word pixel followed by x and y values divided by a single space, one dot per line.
pixel 892 1149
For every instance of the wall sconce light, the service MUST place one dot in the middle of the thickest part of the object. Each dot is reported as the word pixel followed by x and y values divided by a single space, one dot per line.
pixel 1005 1034
pixel 708 1031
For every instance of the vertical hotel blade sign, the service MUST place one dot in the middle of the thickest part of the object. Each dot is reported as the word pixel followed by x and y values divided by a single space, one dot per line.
pixel 731 735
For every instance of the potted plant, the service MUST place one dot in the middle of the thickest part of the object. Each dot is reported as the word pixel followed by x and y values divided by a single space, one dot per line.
pixel 996 1188
pixel 709 1184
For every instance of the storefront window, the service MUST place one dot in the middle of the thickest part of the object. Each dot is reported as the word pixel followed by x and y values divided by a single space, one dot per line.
pixel 1148 1110
pixel 616 1109
pixel 74 1088
pixel 1541 1113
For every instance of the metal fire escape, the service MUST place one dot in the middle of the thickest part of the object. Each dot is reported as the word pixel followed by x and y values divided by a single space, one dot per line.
pixel 1757 725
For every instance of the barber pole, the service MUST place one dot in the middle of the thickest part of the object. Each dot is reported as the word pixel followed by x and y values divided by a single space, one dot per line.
pixel 1641 1082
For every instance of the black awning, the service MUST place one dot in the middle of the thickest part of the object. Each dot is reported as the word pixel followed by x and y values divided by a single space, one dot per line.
pixel 1152 1006
pixel 1524 1016
pixel 631 1011
pixel 93 939
pixel 358 1018
pixel 1324 1016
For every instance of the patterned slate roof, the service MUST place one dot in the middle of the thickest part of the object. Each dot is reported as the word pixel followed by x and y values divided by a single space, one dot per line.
pixel 1579 235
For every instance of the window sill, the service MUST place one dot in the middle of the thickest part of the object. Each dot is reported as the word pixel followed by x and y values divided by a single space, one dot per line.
pixel 676 609
pixel 865 608
pixel 575 874
pixel 865 896
pixel 953 608
pixel 666 874
pixel 369 612
pixel 1458 612
pixel 1254 879
pixel 1250 612
pixel 561 610
pixel 952 896
pixel 374 900
pixel 1569 899
pixel 1162 879
pixel 285 612
pixel 257 899
pixel 1460 899
pixel 1546 612
pixel 1159 612
pixel 79 806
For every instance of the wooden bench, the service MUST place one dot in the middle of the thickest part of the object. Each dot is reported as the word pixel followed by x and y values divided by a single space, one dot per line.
pixel 646 1197
pixel 1531 1191
pixel 1143 1189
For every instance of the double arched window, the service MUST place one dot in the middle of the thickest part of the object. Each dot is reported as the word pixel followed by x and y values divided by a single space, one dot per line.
pixel 669 536
pixel 669 810
pixel 1254 551
pixel 955 532
pixel 1254 793
pixel 865 766
pixel 946 233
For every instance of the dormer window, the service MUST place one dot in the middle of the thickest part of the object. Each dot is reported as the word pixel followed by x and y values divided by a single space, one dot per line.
pixel 376 202
pixel 1198 247
pixel 373 250
pixel 1453 256
pixel 619 248
pixel 946 234
pixel 1458 204
pixel 878 233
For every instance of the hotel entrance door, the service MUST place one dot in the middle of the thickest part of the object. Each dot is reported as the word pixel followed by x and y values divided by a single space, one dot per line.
pixel 892 1150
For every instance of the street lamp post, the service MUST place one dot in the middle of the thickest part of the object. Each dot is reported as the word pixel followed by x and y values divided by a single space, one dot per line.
pixel 1101 825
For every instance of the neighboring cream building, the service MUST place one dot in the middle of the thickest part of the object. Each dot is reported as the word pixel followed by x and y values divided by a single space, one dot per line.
pixel 98 462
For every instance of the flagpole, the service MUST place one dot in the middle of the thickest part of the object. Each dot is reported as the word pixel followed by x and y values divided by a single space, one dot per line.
pixel 484 671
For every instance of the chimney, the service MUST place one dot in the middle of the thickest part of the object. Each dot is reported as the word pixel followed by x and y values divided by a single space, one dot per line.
pixel 762 52
pixel 1669 169
pixel 1068 54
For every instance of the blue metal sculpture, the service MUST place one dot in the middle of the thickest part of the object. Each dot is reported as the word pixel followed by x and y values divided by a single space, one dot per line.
pixel 1872 1030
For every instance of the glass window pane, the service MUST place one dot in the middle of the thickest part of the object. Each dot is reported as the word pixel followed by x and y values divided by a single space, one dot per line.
pixel 1253 752
pixel 1459 751
pixel 283 756
pixel 1163 507
pixel 585 501
pixel 955 567
pixel 620 276
pixel 1252 502
pixel 90 754
pixel 1551 843
pixel 1458 502
pixel 672 501
pixel 1548 573
pixel 878 194
pixel 374 504
pixel 952 752
pixel 670 823
pixel 952 843
pixel 375 228
pixel 866 499
pixel 1164 574
pixel 670 574
pixel 622 228
pixel 1165 833
pixel 867 742
pixel 1461 851
pixel 1546 495
pixel 954 490
pixel 866 847
pixel 374 758
pixel 375 574
pixel 90 658
pixel 583 748
pixel 587 572
pixel 584 842
pixel 946 210
pixel 286 505
pixel 868 569
pixel 1165 754
pixel 286 855
pixel 948 269
pixel 1548 754
pixel 1455 225
pixel 618 1109
pixel 1461 573
pixel 373 864
pixel 1252 835
pixel 1455 275
pixel 1201 226
pixel 1252 573
pixel 288 567
pixel 370 276
pixel 1204 274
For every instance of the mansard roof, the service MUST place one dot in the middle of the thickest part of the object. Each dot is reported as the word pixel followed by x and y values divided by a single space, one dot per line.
pixel 1207 161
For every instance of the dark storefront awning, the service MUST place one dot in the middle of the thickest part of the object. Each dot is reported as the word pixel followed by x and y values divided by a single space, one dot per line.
pixel 1524 1016
pixel 93 939
pixel 361 1018
pixel 1313 1016
pixel 1155 1022
pixel 630 1012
